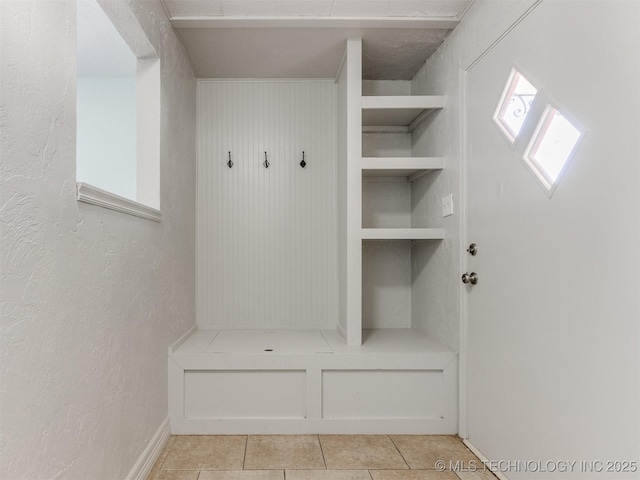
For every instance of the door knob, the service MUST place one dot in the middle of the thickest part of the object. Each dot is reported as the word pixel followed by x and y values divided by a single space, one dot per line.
pixel 470 278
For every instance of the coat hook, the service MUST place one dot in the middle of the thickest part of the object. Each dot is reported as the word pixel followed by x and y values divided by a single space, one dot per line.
pixel 303 163
pixel 229 163
pixel 266 162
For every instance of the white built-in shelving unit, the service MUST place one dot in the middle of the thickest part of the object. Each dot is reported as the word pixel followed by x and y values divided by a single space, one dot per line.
pixel 333 357
pixel 392 229
pixel 377 168
pixel 399 114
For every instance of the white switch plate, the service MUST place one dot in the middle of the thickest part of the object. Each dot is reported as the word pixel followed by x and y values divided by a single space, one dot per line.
pixel 447 205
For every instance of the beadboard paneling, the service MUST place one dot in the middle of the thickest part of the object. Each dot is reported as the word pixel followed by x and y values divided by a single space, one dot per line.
pixel 267 240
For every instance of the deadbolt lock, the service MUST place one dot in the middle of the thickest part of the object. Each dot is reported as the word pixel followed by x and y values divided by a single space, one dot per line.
pixel 473 249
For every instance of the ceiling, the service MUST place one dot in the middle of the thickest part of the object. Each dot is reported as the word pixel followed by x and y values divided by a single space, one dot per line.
pixel 332 8
pixel 307 38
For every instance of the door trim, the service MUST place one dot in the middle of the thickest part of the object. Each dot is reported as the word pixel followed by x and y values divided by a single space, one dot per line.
pixel 465 67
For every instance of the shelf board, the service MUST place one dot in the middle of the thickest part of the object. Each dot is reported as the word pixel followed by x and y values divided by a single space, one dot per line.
pixel 402 233
pixel 410 167
pixel 399 110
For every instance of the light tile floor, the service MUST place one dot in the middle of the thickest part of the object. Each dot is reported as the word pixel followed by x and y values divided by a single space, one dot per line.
pixel 316 457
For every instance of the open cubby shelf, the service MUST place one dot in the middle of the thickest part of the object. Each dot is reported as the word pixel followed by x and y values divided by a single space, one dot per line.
pixel 399 110
pixel 402 233
pixel 409 167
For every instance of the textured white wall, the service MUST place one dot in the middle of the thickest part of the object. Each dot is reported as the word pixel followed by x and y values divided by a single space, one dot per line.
pixel 436 265
pixel 91 298
pixel 386 284
pixel 386 87
pixel 267 250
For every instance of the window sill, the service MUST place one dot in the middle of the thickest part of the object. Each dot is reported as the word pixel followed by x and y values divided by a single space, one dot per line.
pixel 96 196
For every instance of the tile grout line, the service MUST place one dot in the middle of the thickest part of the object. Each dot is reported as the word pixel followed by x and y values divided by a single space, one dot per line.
pixel 403 459
pixel 324 460
pixel 175 438
pixel 244 457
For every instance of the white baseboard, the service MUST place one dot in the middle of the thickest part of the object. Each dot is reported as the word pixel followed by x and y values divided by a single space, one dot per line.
pixel 478 453
pixel 143 466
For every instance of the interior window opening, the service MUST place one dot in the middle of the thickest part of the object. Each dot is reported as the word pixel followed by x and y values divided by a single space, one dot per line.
pixel 117 107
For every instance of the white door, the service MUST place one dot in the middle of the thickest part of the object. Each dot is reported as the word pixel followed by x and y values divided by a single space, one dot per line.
pixel 553 336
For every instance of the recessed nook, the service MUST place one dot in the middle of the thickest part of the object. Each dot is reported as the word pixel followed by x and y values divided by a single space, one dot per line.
pixel 348 356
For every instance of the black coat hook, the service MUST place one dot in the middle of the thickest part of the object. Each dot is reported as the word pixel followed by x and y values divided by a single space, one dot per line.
pixel 229 163
pixel 303 163
pixel 266 162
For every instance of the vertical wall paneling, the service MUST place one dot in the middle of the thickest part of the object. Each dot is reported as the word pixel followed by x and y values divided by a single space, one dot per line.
pixel 266 242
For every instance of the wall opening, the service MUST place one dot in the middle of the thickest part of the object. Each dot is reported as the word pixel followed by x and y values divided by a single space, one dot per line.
pixel 118 104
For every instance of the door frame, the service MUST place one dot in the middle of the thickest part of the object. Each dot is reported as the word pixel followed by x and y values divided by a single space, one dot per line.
pixel 465 66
